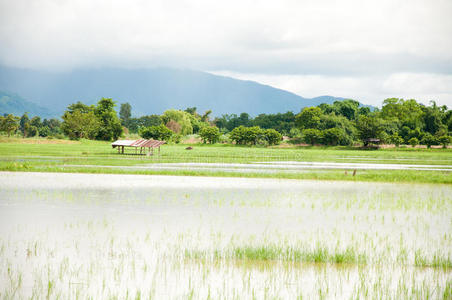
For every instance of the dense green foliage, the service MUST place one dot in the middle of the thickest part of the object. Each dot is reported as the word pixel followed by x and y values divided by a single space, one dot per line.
pixel 9 124
pixel 94 122
pixel 210 134
pixel 125 113
pixel 135 124
pixel 160 132
pixel 342 123
pixel 255 135
pixel 110 127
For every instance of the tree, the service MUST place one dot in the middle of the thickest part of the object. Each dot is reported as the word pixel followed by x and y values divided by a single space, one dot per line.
pixel 347 108
pixel 333 136
pixel 125 112
pixel 246 135
pixel 238 135
pixel 54 126
pixel 9 124
pixel 205 116
pixel 244 119
pixel 312 136
pixel 396 139
pixel 145 121
pixel 364 110
pixel 24 120
pixel 432 118
pixel 444 140
pixel 79 124
pixel 406 112
pixel 369 127
pixel 45 131
pixel 79 106
pixel 348 132
pixel 160 132
pixel 413 142
pixel 272 136
pixel 30 130
pixel 110 126
pixel 180 117
pixel 253 134
pixel 429 140
pixel 309 118
pixel 36 121
pixel 210 134
pixel 191 111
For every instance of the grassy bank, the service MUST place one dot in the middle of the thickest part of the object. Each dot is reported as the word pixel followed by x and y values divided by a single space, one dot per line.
pixel 98 157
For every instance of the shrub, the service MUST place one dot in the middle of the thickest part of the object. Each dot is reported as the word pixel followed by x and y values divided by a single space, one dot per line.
pixel 444 140
pixel 246 135
pixel 210 134
pixel 160 132
pixel 396 139
pixel 272 136
pixel 429 140
pixel 332 136
pixel 312 136
pixel 413 142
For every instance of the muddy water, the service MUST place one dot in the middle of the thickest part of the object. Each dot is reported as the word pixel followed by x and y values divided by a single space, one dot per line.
pixel 83 235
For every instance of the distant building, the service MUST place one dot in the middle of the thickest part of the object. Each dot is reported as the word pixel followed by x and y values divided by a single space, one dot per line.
pixel 142 144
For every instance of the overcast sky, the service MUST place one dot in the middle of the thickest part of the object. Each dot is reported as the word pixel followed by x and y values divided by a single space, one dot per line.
pixel 366 50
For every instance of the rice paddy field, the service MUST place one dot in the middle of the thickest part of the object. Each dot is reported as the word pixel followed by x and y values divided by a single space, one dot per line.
pixel 101 236
pixel 384 165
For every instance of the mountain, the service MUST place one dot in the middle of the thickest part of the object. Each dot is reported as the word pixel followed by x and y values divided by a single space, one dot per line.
pixel 14 104
pixel 153 90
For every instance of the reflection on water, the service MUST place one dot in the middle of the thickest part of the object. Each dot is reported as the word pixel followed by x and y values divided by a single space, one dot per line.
pixel 80 235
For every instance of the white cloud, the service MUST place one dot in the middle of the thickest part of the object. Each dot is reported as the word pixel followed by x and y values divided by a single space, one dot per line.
pixel 261 34
pixel 367 89
pixel 348 48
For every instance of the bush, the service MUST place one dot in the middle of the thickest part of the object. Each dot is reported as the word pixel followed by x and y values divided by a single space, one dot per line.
pixel 312 136
pixel 429 140
pixel 396 139
pixel 246 135
pixel 332 136
pixel 294 133
pixel 160 132
pixel 209 134
pixel 444 140
pixel 413 142
pixel 176 138
pixel 45 131
pixel 272 136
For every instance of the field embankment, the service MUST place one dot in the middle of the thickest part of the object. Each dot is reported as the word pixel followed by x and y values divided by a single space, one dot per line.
pixel 327 163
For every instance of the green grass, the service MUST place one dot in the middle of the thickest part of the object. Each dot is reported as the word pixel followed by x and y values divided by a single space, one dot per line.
pixel 98 157
pixel 318 254
pixel 436 261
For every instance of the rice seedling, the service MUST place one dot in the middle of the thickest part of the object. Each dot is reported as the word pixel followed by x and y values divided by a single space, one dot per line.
pixel 164 237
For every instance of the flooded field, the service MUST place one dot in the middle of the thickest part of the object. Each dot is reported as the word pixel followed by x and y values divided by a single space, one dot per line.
pixel 274 167
pixel 167 237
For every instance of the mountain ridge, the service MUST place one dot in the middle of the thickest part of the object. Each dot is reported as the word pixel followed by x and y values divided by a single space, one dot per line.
pixel 151 91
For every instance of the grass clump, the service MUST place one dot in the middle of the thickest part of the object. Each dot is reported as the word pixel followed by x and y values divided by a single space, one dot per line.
pixel 318 254
pixel 437 261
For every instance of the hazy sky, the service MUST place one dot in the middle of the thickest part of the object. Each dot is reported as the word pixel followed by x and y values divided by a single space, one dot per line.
pixel 367 50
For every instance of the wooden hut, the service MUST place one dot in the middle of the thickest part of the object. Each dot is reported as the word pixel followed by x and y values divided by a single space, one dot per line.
pixel 372 143
pixel 146 147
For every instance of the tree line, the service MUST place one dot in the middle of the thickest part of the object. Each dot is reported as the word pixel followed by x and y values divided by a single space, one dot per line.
pixel 344 122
